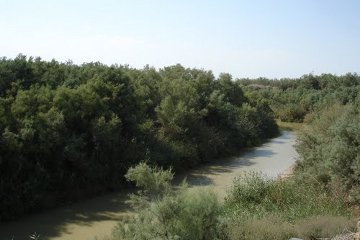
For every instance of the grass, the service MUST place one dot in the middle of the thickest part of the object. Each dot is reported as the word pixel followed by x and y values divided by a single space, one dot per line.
pixel 256 208
pixel 254 195
pixel 262 208
pixel 274 228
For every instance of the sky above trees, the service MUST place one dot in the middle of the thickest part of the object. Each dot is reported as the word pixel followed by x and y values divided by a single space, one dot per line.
pixel 272 39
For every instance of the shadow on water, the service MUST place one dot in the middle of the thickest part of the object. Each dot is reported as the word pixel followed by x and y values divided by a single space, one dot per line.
pixel 54 223
pixel 286 135
pixel 82 219
pixel 203 176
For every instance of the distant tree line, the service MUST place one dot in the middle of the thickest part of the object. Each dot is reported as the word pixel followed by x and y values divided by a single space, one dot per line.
pixel 314 202
pixel 69 131
pixel 329 146
pixel 294 100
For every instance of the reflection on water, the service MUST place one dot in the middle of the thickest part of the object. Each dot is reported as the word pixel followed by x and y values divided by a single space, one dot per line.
pixel 96 217
pixel 271 158
pixel 82 220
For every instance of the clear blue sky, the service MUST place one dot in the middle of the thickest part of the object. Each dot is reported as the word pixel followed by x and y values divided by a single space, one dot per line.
pixel 273 38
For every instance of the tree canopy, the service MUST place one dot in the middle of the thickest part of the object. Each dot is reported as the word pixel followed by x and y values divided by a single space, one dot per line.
pixel 69 131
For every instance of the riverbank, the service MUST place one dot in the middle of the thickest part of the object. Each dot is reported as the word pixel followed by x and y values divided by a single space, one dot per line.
pixel 271 158
pixel 256 207
pixel 287 173
pixel 96 217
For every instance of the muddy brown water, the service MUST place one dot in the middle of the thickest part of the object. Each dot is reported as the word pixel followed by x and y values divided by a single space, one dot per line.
pixel 96 217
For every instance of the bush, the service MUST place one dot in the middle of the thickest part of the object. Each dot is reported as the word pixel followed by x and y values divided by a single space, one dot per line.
pixel 249 188
pixel 256 208
pixel 275 228
pixel 324 227
pixel 255 196
pixel 261 208
pixel 173 214
pixel 271 228
pixel 330 150
pixel 154 181
pixel 72 131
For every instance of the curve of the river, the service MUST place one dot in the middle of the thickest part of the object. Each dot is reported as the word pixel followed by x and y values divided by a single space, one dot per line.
pixel 96 217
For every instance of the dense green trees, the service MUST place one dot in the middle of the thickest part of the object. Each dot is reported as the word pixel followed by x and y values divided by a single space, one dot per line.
pixel 329 146
pixel 292 99
pixel 68 131
pixel 311 204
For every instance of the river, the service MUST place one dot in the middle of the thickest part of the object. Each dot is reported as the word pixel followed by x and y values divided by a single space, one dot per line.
pixel 97 216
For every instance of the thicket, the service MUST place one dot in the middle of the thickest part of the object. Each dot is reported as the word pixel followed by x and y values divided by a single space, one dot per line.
pixel 69 131
pixel 329 145
pixel 329 150
pixel 261 208
pixel 293 99
pixel 256 208
pixel 164 212
pixel 312 204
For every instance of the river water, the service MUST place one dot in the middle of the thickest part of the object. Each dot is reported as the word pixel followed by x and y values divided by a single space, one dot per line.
pixel 96 217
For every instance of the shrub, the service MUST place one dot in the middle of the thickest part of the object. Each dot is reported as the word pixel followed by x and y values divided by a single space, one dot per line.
pixel 153 180
pixel 251 187
pixel 255 196
pixel 261 208
pixel 271 228
pixel 173 214
pixel 324 227
pixel 330 150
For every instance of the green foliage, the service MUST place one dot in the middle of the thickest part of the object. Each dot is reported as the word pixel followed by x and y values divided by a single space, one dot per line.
pixel 69 131
pixel 249 188
pixel 330 150
pixel 256 208
pixel 324 227
pixel 261 208
pixel 271 228
pixel 293 99
pixel 172 214
pixel 187 215
pixel 153 181
pixel 275 228
pixel 255 196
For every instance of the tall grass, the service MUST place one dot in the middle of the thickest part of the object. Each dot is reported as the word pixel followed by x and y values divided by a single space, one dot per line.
pixel 261 208
pixel 254 195
pixel 256 208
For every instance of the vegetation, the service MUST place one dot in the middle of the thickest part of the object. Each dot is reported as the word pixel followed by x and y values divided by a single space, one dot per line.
pixel 294 100
pixel 330 150
pixel 255 208
pixel 69 131
pixel 261 208
pixel 165 213
pixel 329 143
pixel 291 200
pixel 314 202
pixel 272 228
pixel 291 126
